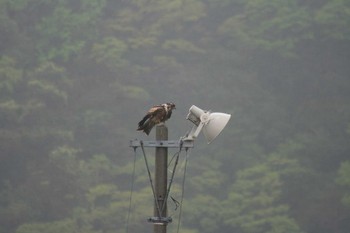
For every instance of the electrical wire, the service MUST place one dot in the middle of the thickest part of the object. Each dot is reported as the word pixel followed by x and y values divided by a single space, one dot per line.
pixel 183 191
pixel 150 179
pixel 172 175
pixel 131 192
pixel 172 158
pixel 178 204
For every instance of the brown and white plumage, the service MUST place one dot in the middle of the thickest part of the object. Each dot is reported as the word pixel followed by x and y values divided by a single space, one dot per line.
pixel 155 115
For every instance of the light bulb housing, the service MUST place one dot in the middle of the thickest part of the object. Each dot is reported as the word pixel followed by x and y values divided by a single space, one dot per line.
pixel 212 124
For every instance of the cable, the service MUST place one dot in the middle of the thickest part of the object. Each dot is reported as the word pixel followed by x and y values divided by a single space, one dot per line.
pixel 131 192
pixel 172 176
pixel 183 191
pixel 175 202
pixel 150 179
pixel 160 210
pixel 171 160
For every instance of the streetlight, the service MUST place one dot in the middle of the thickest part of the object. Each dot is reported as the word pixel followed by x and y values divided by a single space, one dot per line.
pixel 211 123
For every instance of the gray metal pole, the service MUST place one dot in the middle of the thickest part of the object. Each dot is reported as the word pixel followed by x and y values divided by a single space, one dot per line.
pixel 161 177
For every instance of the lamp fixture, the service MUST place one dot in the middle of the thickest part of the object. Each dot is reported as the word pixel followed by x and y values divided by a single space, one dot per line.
pixel 211 123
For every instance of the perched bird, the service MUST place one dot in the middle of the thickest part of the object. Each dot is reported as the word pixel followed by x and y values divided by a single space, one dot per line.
pixel 155 115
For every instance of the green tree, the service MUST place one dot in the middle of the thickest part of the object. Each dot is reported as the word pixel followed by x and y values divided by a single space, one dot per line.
pixel 75 76
pixel 343 179
pixel 274 25
pixel 253 203
pixel 281 26
pixel 66 28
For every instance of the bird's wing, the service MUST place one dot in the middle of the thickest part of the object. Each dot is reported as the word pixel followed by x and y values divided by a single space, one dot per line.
pixel 157 114
pixel 155 109
pixel 148 115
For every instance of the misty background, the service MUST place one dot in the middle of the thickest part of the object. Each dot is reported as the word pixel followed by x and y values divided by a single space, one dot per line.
pixel 77 75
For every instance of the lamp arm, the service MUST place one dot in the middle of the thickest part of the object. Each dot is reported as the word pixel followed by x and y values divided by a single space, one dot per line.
pixel 194 132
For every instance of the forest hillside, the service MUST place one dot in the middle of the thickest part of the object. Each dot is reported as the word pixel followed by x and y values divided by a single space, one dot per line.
pixel 77 75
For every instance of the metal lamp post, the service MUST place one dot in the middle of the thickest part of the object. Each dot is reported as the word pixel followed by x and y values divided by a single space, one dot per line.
pixel 211 123
pixel 161 144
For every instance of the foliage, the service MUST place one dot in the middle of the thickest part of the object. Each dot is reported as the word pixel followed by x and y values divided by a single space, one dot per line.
pixel 343 179
pixel 54 227
pixel 77 75
pixel 254 202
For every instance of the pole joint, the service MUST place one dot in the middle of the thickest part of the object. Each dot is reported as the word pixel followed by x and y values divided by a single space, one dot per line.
pixel 160 220
pixel 162 143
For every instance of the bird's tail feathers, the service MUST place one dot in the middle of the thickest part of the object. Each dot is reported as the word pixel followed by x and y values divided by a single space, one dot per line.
pixel 142 122
pixel 147 127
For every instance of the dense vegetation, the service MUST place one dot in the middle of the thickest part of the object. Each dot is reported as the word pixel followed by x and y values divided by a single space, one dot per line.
pixel 77 75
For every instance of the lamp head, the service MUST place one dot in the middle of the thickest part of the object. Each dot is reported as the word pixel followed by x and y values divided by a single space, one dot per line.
pixel 211 123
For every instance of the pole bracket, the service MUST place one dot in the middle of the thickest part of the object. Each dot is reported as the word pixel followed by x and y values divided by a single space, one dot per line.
pixel 160 220
pixel 162 143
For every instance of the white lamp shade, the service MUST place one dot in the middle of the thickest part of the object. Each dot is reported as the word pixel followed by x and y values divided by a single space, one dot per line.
pixel 211 123
pixel 217 122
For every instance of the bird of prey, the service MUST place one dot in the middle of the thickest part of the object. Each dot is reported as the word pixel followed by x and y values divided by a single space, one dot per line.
pixel 155 115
